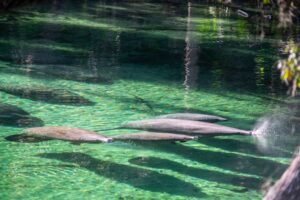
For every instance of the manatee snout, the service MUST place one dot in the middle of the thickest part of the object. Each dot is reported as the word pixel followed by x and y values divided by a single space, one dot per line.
pixel 108 140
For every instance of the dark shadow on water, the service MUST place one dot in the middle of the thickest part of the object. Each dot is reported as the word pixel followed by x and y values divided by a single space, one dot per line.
pixel 154 162
pixel 23 138
pixel 20 121
pixel 43 94
pixel 11 115
pixel 60 166
pixel 134 176
pixel 228 161
pixel 240 146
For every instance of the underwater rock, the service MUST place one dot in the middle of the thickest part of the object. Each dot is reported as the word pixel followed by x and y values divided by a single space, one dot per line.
pixel 193 117
pixel 11 115
pixel 66 72
pixel 67 133
pixel 54 96
pixel 185 127
pixel 154 136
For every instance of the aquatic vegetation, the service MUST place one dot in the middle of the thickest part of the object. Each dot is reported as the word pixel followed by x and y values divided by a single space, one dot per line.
pixel 290 68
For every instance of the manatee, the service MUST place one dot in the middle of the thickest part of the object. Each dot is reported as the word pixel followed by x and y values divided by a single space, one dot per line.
pixel 193 117
pixel 44 94
pixel 66 72
pixel 184 127
pixel 7 108
pixel 67 133
pixel 11 115
pixel 154 136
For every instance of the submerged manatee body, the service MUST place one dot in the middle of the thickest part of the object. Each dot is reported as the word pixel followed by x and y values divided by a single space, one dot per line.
pixel 67 72
pixel 11 115
pixel 154 136
pixel 184 127
pixel 67 133
pixel 55 96
pixel 193 117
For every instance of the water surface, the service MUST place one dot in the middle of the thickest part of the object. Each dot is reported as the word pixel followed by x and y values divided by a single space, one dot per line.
pixel 96 65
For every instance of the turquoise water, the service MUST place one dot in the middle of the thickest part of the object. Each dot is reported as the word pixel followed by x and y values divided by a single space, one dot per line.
pixel 96 65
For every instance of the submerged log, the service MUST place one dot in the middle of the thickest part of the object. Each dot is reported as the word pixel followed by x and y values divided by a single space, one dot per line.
pixel 288 186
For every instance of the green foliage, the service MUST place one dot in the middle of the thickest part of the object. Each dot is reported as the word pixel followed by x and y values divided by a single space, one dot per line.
pixel 290 67
pixel 266 1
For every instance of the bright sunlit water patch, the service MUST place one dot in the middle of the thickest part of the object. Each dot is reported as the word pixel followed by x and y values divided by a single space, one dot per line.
pixel 155 58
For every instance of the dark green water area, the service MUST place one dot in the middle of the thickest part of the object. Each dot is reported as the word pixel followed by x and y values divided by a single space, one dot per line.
pixel 98 64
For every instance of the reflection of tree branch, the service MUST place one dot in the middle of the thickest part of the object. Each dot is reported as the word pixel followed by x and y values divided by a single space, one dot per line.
pixel 286 8
pixel 191 54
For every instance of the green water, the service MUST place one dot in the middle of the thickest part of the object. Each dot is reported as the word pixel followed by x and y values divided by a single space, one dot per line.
pixel 154 58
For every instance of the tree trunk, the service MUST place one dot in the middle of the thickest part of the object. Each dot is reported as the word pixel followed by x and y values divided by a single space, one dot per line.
pixel 288 186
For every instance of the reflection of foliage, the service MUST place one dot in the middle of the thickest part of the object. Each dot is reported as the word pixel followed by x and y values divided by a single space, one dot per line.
pixel 290 67
pixel 286 9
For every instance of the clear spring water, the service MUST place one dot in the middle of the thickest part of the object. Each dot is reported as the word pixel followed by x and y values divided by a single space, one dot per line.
pixel 135 61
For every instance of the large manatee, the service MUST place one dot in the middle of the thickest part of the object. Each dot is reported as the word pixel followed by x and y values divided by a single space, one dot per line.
pixel 66 72
pixel 154 136
pixel 66 133
pixel 193 117
pixel 55 96
pixel 11 115
pixel 184 127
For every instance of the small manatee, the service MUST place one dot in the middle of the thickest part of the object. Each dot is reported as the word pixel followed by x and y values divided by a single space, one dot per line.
pixel 193 117
pixel 154 136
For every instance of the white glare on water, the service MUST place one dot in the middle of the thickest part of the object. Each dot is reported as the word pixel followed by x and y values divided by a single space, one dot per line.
pixel 274 132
